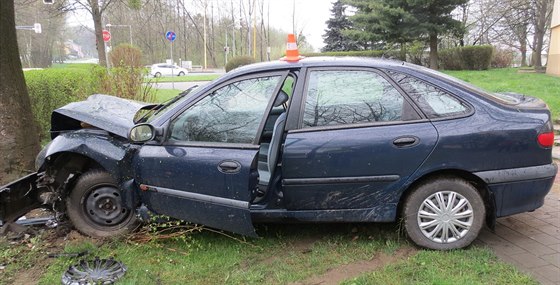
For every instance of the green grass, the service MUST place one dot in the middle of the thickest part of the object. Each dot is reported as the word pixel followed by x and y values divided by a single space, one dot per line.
pixel 285 253
pixel 163 95
pixel 83 66
pixel 473 266
pixel 21 257
pixel 189 78
pixel 543 86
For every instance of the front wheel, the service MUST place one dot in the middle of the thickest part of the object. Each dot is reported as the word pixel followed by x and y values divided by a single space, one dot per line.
pixel 443 214
pixel 181 73
pixel 95 207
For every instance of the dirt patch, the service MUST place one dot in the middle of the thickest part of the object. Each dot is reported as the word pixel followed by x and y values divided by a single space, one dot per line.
pixel 303 245
pixel 32 275
pixel 347 271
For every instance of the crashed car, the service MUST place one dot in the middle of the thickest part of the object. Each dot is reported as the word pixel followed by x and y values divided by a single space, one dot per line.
pixel 316 140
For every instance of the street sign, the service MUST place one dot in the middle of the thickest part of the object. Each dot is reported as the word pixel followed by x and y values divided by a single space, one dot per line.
pixel 170 36
pixel 106 36
pixel 37 28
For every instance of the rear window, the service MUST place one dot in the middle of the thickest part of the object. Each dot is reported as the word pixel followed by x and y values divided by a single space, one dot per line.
pixel 434 102
pixel 500 98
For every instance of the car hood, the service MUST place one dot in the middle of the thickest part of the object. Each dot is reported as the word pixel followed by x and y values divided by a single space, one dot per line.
pixel 113 114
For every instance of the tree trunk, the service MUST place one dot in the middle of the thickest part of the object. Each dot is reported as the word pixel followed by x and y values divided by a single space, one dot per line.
pixel 523 50
pixel 18 130
pixel 433 51
pixel 98 26
pixel 540 30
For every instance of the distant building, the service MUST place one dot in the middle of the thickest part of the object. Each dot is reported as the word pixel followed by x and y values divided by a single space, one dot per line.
pixel 553 64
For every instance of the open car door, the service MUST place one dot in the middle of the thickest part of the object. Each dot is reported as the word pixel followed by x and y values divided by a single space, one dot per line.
pixel 206 170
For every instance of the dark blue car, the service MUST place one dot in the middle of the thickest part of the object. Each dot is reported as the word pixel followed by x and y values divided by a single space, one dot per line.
pixel 318 140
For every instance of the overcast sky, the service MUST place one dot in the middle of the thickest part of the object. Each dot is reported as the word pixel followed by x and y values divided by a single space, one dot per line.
pixel 310 17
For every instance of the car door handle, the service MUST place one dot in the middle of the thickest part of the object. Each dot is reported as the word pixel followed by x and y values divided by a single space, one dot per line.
pixel 405 141
pixel 229 166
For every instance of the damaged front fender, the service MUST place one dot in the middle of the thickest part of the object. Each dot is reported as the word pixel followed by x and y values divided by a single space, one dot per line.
pixel 19 197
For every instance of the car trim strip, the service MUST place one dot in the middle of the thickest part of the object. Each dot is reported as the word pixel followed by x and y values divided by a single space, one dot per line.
pixel 518 174
pixel 232 203
pixel 335 180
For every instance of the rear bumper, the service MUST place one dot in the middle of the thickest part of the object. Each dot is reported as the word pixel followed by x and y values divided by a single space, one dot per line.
pixel 519 190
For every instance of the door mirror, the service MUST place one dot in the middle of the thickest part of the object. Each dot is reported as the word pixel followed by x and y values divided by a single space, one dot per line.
pixel 142 133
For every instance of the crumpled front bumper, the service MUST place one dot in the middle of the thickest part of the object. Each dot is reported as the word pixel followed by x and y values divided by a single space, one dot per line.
pixel 19 197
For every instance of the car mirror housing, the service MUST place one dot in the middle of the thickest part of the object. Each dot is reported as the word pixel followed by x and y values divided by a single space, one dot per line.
pixel 142 133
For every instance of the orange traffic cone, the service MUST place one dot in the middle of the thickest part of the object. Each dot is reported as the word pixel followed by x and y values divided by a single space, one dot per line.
pixel 292 53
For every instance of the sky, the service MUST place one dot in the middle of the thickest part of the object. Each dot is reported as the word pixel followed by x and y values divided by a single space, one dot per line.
pixel 310 17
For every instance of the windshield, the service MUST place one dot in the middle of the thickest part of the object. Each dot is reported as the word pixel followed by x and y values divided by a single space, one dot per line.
pixel 147 116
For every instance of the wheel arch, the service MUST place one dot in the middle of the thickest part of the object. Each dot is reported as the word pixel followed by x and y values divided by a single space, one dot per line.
pixel 480 185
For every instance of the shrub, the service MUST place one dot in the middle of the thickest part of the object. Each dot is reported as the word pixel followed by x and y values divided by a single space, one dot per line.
pixel 469 58
pixel 126 55
pixel 238 61
pixel 450 59
pixel 50 89
pixel 394 54
pixel 502 58
pixel 125 82
pixel 415 53
pixel 125 79
pixel 477 57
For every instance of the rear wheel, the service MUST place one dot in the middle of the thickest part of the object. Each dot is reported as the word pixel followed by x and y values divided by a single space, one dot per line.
pixel 158 74
pixel 181 73
pixel 444 213
pixel 95 207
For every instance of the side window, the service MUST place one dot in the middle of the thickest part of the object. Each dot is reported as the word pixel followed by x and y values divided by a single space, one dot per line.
pixel 351 97
pixel 434 102
pixel 231 114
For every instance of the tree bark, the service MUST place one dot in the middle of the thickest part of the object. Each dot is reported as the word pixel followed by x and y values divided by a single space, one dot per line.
pixel 541 22
pixel 433 51
pixel 98 27
pixel 19 141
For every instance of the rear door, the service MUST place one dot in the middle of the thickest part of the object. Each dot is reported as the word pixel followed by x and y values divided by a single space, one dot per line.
pixel 355 143
pixel 206 170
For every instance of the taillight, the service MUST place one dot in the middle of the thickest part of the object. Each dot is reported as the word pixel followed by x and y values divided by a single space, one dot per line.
pixel 546 139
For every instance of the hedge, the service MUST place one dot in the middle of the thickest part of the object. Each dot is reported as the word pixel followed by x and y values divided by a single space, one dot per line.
pixel 360 53
pixel 466 58
pixel 238 61
pixel 51 88
pixel 469 57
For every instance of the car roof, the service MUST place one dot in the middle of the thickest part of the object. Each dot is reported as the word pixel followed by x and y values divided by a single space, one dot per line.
pixel 323 61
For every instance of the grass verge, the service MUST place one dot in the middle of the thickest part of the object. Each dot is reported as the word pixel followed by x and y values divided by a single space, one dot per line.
pixel 473 266
pixel 284 254
pixel 163 95
pixel 543 86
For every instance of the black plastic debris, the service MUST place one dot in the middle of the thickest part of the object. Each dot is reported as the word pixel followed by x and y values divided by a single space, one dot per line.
pixel 96 272
pixel 77 254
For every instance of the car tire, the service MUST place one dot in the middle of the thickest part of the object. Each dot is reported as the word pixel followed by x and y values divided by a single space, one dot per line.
pixel 157 74
pixel 95 208
pixel 440 225
pixel 181 74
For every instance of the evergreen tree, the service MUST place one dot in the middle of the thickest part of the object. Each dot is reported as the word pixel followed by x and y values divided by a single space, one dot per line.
pixel 402 21
pixel 335 37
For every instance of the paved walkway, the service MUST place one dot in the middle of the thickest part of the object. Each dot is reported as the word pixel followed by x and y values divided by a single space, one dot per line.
pixel 531 241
